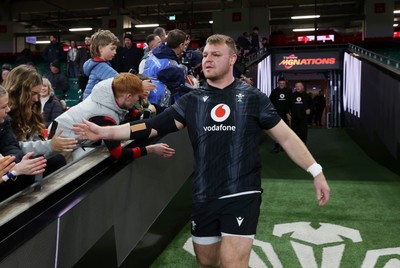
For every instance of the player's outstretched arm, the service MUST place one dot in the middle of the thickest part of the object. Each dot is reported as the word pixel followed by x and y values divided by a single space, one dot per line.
pixel 299 154
pixel 162 124
pixel 90 131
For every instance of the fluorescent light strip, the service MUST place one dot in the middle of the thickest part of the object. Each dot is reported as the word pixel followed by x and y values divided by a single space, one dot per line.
pixel 305 17
pixel 147 25
pixel 304 30
pixel 396 11
pixel 43 42
pixel 395 25
pixel 80 29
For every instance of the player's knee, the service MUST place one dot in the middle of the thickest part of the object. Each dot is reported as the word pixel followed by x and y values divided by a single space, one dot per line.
pixel 208 261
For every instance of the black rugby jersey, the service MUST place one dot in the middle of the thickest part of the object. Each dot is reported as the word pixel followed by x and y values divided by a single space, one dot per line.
pixel 225 127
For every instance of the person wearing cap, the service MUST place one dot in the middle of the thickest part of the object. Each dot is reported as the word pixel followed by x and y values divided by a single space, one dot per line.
pixel 57 79
pixel 128 57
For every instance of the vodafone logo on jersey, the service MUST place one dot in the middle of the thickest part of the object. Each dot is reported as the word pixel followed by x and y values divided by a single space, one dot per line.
pixel 219 114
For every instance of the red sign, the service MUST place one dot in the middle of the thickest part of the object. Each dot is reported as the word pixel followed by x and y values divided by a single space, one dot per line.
pixel 237 16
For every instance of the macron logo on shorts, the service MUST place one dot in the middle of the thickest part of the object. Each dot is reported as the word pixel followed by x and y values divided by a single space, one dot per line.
pixel 219 114
pixel 239 220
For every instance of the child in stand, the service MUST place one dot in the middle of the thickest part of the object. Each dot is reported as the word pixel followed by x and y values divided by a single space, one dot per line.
pixel 143 104
pixel 103 47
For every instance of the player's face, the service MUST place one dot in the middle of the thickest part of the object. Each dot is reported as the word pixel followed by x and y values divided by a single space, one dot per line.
pixel 108 52
pixel 218 61
pixel 4 109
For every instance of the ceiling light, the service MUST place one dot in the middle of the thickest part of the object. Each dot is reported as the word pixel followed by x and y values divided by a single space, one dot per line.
pixel 305 17
pixel 211 22
pixel 396 11
pixel 80 29
pixel 43 42
pixel 395 25
pixel 304 30
pixel 147 25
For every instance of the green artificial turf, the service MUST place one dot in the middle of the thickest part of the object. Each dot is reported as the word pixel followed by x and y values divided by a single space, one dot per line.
pixel 364 207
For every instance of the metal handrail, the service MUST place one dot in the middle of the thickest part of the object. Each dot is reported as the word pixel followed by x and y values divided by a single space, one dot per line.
pixel 374 56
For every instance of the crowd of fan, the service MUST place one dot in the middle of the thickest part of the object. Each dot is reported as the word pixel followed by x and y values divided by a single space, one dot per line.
pixel 119 82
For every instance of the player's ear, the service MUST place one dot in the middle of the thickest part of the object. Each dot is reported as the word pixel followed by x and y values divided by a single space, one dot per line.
pixel 232 59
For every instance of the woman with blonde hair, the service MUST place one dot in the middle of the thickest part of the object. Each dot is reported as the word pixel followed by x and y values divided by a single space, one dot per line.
pixel 50 104
pixel 24 85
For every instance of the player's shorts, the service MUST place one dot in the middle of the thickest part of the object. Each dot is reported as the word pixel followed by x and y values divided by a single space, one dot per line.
pixel 234 216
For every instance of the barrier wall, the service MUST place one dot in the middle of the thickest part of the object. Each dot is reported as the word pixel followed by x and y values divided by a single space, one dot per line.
pixel 56 225
pixel 377 130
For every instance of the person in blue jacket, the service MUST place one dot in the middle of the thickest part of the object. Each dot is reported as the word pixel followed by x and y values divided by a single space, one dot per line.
pixel 103 47
pixel 165 69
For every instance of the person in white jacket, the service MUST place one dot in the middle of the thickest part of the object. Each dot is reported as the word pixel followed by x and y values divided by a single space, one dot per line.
pixel 108 104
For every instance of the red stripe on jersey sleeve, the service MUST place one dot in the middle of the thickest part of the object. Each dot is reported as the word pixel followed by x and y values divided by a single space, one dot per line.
pixel 116 152
pixel 136 152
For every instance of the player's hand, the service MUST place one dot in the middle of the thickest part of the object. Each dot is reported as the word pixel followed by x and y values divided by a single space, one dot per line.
pixel 87 131
pixel 160 149
pixel 322 189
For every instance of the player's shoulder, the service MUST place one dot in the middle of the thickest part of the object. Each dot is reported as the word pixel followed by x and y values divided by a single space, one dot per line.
pixel 248 89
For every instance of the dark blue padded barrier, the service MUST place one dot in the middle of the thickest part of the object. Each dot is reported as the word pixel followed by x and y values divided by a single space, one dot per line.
pixel 54 224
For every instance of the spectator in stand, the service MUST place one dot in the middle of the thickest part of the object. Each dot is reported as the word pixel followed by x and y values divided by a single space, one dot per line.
pixel 244 42
pixel 103 47
pixel 50 104
pixel 82 57
pixel 128 57
pixel 107 106
pixel 255 39
pixel 12 179
pixel 53 51
pixel 277 37
pixel 143 104
pixel 301 104
pixel 5 69
pixel 24 85
pixel 160 31
pixel 164 68
pixel 319 103
pixel 281 98
pixel 72 55
pixel 24 57
pixel 152 41
pixel 57 79
pixel 264 42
